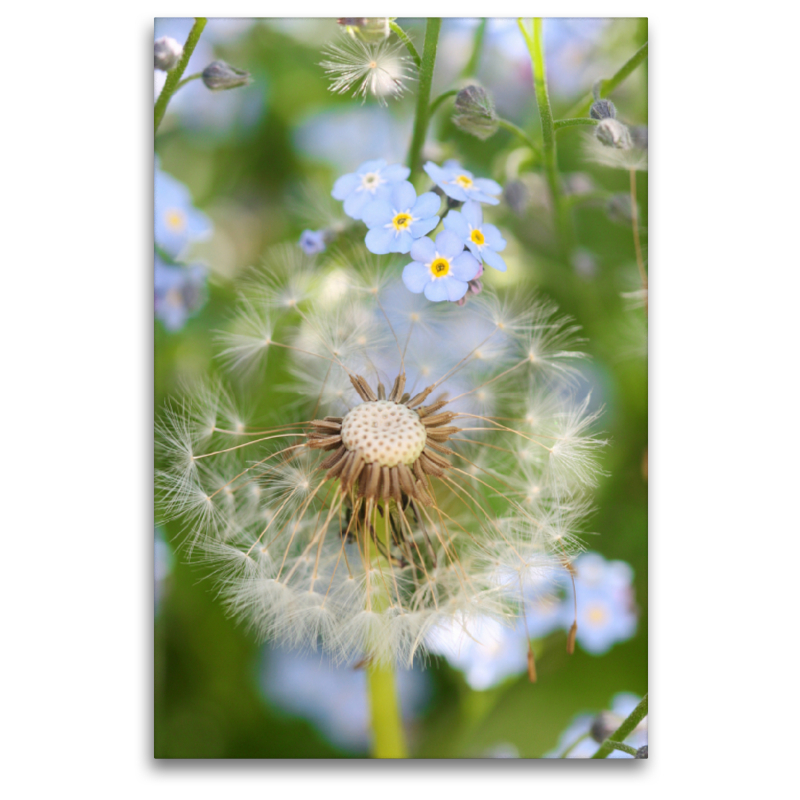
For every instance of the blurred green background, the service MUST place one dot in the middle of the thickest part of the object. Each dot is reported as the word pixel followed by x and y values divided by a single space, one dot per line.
pixel 260 161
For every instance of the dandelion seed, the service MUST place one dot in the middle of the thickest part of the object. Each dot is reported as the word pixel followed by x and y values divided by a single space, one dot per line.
pixel 391 502
pixel 365 68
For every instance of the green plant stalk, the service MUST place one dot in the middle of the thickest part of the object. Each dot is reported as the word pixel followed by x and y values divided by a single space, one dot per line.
pixel 624 748
pixel 188 79
pixel 424 95
pixel 440 99
pixel 607 85
pixel 174 75
pixel 387 723
pixel 624 730
pixel 404 38
pixel 471 67
pixel 549 158
pixel 559 124
pixel 517 131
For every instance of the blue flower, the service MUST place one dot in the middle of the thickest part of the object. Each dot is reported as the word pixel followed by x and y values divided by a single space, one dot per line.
pixel 312 242
pixel 394 222
pixel 371 181
pixel 458 183
pixel 177 222
pixel 334 698
pixel 441 270
pixel 483 240
pixel 179 291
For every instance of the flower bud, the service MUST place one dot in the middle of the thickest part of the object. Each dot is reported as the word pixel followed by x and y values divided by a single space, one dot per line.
pixel 641 752
pixel 612 133
pixel 639 136
pixel 474 112
pixel 603 109
pixel 604 724
pixel 167 53
pixel 368 29
pixel 219 75
pixel 517 196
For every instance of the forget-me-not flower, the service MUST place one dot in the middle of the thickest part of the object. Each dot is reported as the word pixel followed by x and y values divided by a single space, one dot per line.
pixel 396 221
pixel 460 184
pixel 179 291
pixel 371 181
pixel 483 240
pixel 441 270
pixel 312 242
pixel 177 222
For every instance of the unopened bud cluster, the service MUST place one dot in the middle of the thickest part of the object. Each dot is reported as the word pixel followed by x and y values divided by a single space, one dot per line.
pixel 220 75
pixel 612 133
pixel 603 109
pixel 166 53
pixel 474 112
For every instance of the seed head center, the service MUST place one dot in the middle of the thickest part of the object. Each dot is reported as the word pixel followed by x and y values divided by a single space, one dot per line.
pixel 384 432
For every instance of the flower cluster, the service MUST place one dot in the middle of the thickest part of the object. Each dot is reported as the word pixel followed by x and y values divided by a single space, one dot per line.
pixel 409 487
pixel 488 652
pixel 398 221
pixel 179 287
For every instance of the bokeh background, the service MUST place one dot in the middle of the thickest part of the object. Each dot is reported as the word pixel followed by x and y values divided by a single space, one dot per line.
pixel 259 162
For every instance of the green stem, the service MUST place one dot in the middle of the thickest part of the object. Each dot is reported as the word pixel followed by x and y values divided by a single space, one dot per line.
pixel 625 748
pixel 471 68
pixel 607 85
pixel 387 723
pixel 188 78
pixel 440 99
pixel 424 96
pixel 404 38
pixel 510 126
pixel 174 75
pixel 624 730
pixel 570 123
pixel 536 48
pixel 571 747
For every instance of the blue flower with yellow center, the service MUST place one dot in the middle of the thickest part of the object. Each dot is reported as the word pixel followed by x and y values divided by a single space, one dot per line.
pixel 396 221
pixel 179 292
pixel 482 239
pixel 462 185
pixel 371 181
pixel 441 270
pixel 312 242
pixel 177 222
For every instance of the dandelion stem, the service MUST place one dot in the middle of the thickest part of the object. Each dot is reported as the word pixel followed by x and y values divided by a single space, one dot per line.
pixel 174 75
pixel 424 95
pixel 636 243
pixel 404 38
pixel 605 86
pixel 624 730
pixel 387 724
pixel 536 48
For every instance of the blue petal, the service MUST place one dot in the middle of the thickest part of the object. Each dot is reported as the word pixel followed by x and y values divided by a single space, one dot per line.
pixel 423 226
pixel 465 267
pixel 449 244
pixel 455 191
pixel 375 165
pixel 435 172
pixel 394 173
pixel 494 238
pixel 403 196
pixel 380 241
pixel 489 186
pixel 475 194
pixel 356 202
pixel 453 166
pixel 494 260
pixel 473 213
pixel 474 249
pixel 345 185
pixel 416 276
pixel 423 250
pixel 436 291
pixel 402 243
pixel 456 223
pixel 377 213
pixel 426 206
pixel 198 225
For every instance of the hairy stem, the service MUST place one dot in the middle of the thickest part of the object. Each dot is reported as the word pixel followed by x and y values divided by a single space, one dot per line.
pixel 607 85
pixel 569 123
pixel 424 95
pixel 387 723
pixel 440 99
pixel 624 730
pixel 174 75
pixel 404 38
pixel 517 131
pixel 535 44
pixel 624 748
pixel 636 243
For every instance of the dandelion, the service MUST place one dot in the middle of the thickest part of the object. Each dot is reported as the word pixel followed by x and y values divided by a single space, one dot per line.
pixel 388 498
pixel 365 68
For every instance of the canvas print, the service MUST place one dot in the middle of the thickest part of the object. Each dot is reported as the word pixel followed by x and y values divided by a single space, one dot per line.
pixel 400 313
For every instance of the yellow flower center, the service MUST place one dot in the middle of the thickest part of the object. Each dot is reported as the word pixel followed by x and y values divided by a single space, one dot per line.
pixel 176 219
pixel 401 221
pixel 477 237
pixel 463 181
pixel 596 615
pixel 440 267
pixel 174 298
